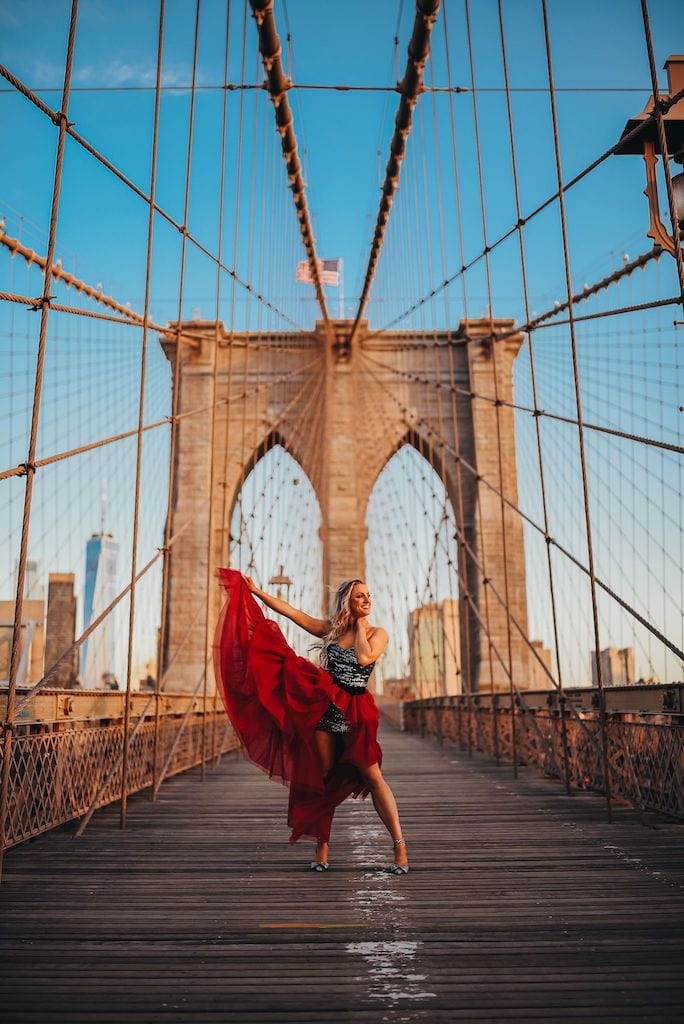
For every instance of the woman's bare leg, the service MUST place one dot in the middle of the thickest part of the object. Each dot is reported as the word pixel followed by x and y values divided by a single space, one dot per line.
pixel 325 745
pixel 386 806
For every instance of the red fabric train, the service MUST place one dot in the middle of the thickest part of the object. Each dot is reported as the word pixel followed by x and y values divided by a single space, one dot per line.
pixel 274 698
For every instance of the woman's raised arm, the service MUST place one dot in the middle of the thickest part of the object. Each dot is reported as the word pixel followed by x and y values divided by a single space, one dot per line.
pixel 317 627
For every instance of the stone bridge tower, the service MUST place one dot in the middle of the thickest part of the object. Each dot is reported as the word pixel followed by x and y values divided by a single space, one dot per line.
pixel 382 394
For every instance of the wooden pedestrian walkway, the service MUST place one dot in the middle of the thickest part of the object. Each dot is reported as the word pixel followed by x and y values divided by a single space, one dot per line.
pixel 522 904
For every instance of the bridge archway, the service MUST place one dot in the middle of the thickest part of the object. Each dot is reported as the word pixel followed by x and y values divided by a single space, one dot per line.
pixel 273 440
pixel 274 525
pixel 412 572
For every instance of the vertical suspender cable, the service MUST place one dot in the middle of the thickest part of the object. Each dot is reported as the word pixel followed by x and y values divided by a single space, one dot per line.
pixel 278 85
pixel 578 407
pixel 226 510
pixel 61 122
pixel 161 646
pixel 217 335
pixel 437 358
pixel 469 366
pixel 410 88
pixel 433 388
pixel 138 454
pixel 462 551
pixel 248 358
pixel 497 403
pixel 533 379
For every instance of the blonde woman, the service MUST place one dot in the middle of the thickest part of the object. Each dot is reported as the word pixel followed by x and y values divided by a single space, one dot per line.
pixel 313 727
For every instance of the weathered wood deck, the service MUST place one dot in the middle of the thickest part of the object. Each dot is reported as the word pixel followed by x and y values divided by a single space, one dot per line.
pixel 522 904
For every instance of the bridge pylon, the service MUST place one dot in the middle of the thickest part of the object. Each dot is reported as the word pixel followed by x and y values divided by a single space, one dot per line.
pixel 242 393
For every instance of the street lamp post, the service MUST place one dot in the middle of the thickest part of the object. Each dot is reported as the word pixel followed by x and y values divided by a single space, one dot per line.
pixel 646 143
pixel 280 580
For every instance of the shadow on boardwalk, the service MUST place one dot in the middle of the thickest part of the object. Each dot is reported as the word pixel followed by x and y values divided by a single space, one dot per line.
pixel 522 904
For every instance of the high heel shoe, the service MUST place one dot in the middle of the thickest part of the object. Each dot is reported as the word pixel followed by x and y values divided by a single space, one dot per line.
pixel 398 869
pixel 319 865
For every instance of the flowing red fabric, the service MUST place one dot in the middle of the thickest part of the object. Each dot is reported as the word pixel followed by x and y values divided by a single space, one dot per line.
pixel 275 699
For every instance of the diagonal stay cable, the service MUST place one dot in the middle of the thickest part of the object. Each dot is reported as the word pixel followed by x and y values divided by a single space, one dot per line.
pixel 410 88
pixel 536 412
pixel 57 118
pixel 278 84
pixel 540 320
pixel 128 315
pixel 23 467
pixel 419 421
pixel 665 105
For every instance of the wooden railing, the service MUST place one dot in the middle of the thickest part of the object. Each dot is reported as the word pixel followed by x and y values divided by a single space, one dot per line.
pixel 562 737
pixel 67 752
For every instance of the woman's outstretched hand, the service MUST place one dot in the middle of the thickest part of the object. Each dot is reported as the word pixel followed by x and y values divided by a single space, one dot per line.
pixel 317 627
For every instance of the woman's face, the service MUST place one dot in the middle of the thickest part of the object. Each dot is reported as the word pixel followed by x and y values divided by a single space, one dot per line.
pixel 360 602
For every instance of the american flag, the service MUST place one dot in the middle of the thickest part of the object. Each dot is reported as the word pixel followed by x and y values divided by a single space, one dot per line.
pixel 328 270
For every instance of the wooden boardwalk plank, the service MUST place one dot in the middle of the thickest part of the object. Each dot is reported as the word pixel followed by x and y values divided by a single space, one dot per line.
pixel 522 904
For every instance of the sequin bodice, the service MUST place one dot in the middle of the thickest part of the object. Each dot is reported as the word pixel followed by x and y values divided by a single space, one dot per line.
pixel 345 669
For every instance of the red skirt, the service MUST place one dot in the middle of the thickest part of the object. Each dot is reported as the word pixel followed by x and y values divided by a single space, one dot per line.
pixel 275 699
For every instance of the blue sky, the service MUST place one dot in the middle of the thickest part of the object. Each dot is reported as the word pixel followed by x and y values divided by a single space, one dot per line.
pixel 595 46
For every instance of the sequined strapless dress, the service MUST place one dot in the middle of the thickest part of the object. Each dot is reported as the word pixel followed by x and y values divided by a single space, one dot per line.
pixel 349 676
pixel 277 700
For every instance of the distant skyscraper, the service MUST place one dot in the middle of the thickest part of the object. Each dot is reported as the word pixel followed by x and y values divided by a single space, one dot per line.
pixel 541 680
pixel 101 587
pixel 33 582
pixel 30 668
pixel 435 649
pixel 617 666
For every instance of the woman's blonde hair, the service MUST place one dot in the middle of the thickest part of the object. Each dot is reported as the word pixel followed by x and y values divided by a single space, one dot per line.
pixel 340 617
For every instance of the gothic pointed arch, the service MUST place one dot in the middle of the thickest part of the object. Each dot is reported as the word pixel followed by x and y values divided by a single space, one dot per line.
pixel 413 570
pixel 274 530
pixel 273 439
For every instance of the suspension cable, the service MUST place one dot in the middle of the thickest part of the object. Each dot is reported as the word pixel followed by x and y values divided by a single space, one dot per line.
pixel 277 83
pixel 418 52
